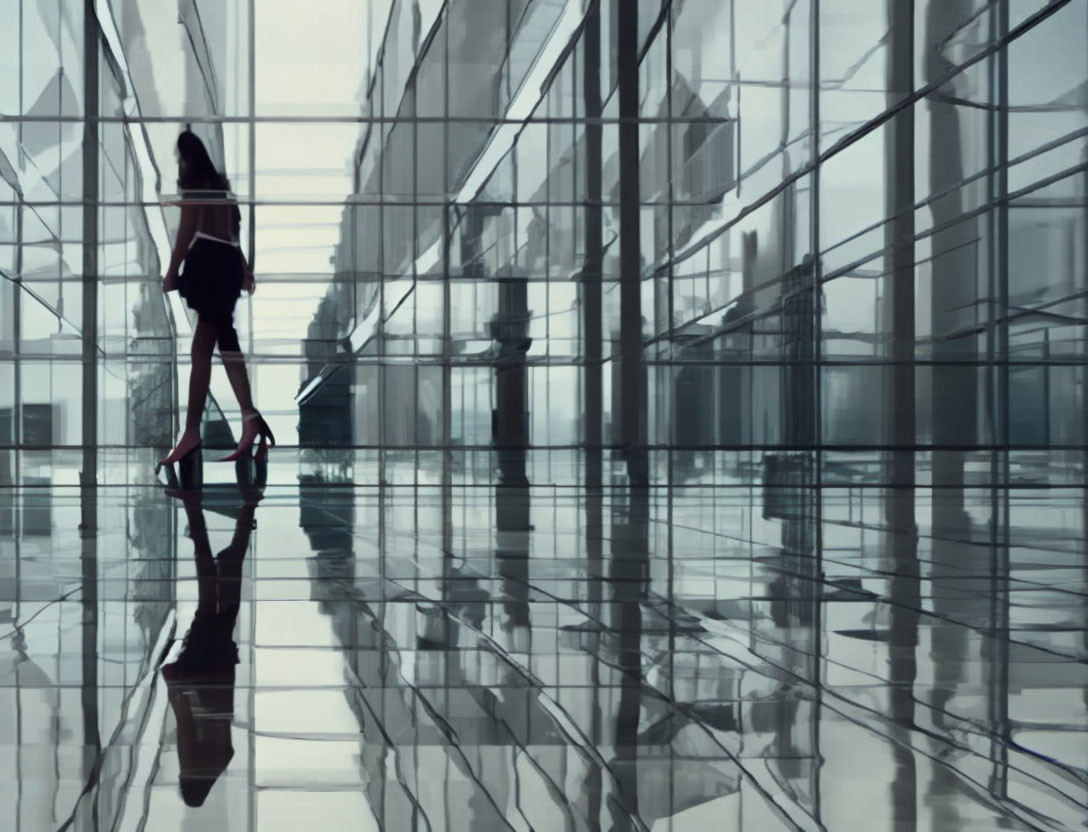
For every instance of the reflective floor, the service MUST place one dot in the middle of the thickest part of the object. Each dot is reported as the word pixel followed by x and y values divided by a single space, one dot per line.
pixel 280 647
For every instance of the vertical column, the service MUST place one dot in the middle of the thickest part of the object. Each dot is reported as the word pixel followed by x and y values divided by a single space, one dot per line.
pixel 448 220
pixel 447 321
pixel 592 398
pixel 1084 403
pixel 632 394
pixel 10 465
pixel 630 543
pixel 594 248
pixel 89 472
pixel 510 329
pixel 89 323
pixel 633 537
pixel 17 301
pixel 816 480
pixel 954 293
pixel 953 395
pixel 998 372
pixel 1084 418
pixel 900 432
pixel 898 297
pixel 251 82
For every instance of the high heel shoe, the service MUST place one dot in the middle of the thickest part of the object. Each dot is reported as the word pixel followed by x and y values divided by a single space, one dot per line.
pixel 253 427
pixel 179 454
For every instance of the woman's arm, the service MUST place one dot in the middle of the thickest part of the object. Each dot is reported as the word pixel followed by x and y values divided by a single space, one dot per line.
pixel 186 232
pixel 249 283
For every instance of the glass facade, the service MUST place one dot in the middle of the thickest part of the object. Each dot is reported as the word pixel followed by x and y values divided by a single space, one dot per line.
pixel 683 409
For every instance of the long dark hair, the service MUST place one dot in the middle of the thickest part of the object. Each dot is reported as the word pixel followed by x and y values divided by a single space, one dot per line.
pixel 200 172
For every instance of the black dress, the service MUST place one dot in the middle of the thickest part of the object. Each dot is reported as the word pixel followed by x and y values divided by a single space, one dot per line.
pixel 212 277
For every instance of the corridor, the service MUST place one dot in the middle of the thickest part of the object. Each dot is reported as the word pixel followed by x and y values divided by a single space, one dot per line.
pixel 681 410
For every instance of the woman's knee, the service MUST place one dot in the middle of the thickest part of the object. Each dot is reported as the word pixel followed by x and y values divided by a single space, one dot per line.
pixel 204 336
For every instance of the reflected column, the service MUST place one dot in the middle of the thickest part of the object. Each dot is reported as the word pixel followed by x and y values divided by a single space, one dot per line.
pixel 794 497
pixel 901 538
pixel 1084 411
pixel 630 548
pixel 510 329
pixel 954 294
pixel 953 392
pixel 996 654
pixel 629 580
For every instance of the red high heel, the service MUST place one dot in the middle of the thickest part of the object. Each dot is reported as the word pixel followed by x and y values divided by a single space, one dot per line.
pixel 253 426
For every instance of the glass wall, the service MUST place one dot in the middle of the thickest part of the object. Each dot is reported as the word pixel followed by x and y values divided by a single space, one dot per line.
pixel 802 184
pixel 854 279
pixel 87 395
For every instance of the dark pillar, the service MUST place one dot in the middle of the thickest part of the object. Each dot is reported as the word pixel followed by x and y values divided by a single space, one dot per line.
pixel 594 248
pixel 954 292
pixel 510 329
pixel 997 656
pixel 630 531
pixel 89 322
pixel 900 432
pixel 592 396
pixel 953 393
pixel 89 474
pixel 633 404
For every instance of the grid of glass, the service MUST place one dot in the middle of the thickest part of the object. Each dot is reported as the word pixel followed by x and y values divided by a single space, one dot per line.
pixel 861 246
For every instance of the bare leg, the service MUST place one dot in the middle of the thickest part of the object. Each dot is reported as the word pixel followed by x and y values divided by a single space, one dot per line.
pixel 200 376
pixel 229 563
pixel 253 426
pixel 207 588
pixel 235 365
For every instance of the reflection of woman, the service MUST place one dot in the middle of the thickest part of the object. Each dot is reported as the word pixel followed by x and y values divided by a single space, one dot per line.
pixel 215 274
pixel 201 680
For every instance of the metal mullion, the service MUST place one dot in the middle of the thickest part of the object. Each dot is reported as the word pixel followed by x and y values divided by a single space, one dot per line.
pixel 670 493
pixel 252 244
pixel 999 354
pixel 360 119
pixel 413 86
pixel 817 410
pixel 252 123
pixel 447 323
pixel 632 419
pixel 88 476
pixel 16 437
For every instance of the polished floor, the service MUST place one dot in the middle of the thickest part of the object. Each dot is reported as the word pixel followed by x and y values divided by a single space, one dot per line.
pixel 286 648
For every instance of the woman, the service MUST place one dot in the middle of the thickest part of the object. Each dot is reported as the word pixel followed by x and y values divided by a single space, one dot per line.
pixel 214 276
pixel 200 681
